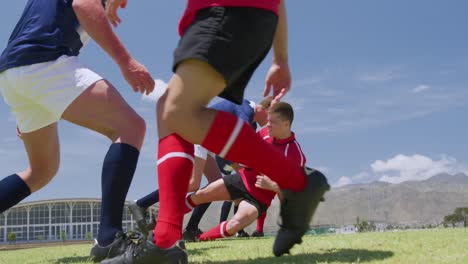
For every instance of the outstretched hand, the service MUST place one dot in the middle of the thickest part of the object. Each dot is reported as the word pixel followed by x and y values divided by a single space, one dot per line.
pixel 111 11
pixel 278 81
pixel 138 77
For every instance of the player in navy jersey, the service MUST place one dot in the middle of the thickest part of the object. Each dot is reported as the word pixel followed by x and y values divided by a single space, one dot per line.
pixel 205 163
pixel 43 81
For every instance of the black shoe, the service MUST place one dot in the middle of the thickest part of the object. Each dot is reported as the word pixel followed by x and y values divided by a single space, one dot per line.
pixel 139 216
pixel 146 252
pixel 190 235
pixel 117 247
pixel 242 233
pixel 257 234
pixel 297 209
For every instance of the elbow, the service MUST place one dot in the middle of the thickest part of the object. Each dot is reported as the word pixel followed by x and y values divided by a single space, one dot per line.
pixel 79 6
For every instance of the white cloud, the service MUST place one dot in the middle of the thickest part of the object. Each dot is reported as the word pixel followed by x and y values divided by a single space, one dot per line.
pixel 416 167
pixel 161 87
pixel 421 88
pixel 342 181
pixel 361 175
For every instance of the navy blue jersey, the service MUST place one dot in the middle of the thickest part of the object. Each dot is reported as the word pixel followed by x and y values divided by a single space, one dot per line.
pixel 244 111
pixel 46 30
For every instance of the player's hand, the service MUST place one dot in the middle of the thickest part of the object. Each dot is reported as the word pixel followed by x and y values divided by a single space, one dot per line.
pixel 263 182
pixel 111 11
pixel 278 81
pixel 138 77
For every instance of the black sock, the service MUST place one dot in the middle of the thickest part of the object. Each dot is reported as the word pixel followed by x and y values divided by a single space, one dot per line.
pixel 12 190
pixel 148 200
pixel 197 215
pixel 225 209
pixel 117 174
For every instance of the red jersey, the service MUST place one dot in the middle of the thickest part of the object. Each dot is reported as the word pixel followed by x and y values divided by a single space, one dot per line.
pixel 291 149
pixel 194 5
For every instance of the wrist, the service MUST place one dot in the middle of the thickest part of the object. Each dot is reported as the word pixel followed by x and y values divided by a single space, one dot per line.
pixel 123 58
pixel 281 61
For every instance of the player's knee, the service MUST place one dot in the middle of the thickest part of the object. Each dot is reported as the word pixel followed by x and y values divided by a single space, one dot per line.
pixel 41 176
pixel 170 117
pixel 173 113
pixel 138 126
pixel 130 130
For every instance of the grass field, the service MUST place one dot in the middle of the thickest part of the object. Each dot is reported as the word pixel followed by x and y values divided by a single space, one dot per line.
pixel 425 246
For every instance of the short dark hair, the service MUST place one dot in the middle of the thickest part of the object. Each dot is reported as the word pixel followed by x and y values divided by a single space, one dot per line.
pixel 284 110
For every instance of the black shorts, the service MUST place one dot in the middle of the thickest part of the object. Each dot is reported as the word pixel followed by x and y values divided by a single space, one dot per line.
pixel 233 40
pixel 237 190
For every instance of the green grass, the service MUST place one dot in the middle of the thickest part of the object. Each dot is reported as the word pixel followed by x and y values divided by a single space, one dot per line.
pixel 425 246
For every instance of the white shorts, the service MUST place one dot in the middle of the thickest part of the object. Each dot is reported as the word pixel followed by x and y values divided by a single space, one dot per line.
pixel 38 94
pixel 201 152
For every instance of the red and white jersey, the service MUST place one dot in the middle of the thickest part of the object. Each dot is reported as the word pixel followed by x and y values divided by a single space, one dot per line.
pixel 289 147
pixel 194 5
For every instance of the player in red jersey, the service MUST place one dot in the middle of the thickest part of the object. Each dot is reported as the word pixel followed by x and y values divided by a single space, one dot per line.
pixel 222 43
pixel 245 184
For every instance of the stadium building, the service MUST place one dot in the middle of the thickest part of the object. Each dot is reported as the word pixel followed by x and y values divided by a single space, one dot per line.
pixel 55 220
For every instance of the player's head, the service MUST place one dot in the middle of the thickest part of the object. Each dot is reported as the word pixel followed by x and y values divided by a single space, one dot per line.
pixel 280 118
pixel 261 111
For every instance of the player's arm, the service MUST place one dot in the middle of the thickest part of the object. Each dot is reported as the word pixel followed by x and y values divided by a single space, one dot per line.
pixel 92 18
pixel 279 76
pixel 280 41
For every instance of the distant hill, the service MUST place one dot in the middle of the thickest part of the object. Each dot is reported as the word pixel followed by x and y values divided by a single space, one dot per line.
pixel 447 178
pixel 411 203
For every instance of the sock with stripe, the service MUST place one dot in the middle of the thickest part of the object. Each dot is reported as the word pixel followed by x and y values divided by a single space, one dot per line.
pixel 233 139
pixel 216 232
pixel 175 164
pixel 189 204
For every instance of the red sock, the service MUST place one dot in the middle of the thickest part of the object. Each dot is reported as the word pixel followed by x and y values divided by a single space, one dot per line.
pixel 189 204
pixel 261 222
pixel 175 164
pixel 216 232
pixel 235 140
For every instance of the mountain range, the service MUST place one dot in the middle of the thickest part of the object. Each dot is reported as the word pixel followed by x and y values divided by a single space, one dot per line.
pixel 411 203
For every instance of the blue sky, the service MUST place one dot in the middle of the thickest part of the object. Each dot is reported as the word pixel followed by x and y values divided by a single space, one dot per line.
pixel 380 90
